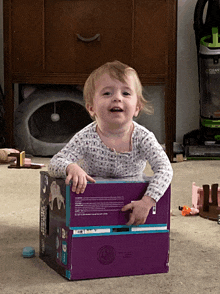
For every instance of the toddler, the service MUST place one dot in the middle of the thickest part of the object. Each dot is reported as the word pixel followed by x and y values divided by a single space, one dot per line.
pixel 114 145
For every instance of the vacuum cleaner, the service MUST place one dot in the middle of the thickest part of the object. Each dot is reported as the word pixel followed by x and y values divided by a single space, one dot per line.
pixel 204 143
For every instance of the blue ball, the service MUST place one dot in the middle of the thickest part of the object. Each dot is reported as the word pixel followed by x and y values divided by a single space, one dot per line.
pixel 28 252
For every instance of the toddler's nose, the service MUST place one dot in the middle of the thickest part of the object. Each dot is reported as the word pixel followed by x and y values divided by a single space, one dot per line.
pixel 117 97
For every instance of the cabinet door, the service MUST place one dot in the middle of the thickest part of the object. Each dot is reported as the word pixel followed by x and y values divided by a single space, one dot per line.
pixel 150 36
pixel 65 52
pixel 27 39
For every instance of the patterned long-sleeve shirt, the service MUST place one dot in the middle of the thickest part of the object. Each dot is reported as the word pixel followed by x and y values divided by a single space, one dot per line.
pixel 97 160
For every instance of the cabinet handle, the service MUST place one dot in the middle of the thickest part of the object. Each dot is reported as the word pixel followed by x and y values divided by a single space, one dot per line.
pixel 96 37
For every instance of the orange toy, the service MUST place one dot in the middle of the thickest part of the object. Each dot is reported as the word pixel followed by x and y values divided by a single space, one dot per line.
pixel 186 210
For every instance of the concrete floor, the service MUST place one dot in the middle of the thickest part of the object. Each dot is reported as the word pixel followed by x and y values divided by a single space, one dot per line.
pixel 194 241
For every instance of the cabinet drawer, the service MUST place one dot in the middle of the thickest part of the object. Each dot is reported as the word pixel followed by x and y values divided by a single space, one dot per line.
pixel 77 36
pixel 110 20
pixel 45 34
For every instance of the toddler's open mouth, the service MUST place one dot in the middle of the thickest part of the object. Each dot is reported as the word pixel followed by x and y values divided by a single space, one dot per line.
pixel 116 109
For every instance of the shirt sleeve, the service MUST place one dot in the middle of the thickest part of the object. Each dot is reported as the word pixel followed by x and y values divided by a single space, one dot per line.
pixel 71 153
pixel 160 165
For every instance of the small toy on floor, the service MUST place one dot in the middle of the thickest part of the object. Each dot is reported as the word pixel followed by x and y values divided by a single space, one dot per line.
pixel 186 210
pixel 4 155
pixel 28 252
pixel 22 162
pixel 207 201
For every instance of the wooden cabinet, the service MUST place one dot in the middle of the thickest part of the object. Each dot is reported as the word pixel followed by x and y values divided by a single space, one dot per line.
pixel 62 41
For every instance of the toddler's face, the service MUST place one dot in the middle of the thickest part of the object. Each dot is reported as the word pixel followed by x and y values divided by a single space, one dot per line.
pixel 115 103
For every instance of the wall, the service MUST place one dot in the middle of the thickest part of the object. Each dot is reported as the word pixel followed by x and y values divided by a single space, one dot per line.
pixel 187 77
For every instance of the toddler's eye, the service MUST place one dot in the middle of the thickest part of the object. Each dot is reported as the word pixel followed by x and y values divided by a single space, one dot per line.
pixel 126 93
pixel 106 93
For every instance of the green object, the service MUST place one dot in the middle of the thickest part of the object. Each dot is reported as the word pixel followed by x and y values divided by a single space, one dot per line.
pixel 217 137
pixel 203 158
pixel 215 43
pixel 211 123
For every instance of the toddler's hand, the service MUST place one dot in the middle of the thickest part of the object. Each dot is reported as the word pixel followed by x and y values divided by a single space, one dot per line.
pixel 79 178
pixel 140 210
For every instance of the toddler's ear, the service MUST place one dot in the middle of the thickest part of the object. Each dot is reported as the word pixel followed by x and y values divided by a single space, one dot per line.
pixel 138 109
pixel 89 108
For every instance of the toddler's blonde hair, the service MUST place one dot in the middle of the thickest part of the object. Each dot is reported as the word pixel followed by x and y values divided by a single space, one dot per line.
pixel 119 71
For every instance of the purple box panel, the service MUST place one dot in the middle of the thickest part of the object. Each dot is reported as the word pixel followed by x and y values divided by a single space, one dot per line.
pixel 114 256
pixel 100 205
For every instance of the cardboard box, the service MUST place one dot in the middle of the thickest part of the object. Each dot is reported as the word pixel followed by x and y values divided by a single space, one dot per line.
pixel 84 236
